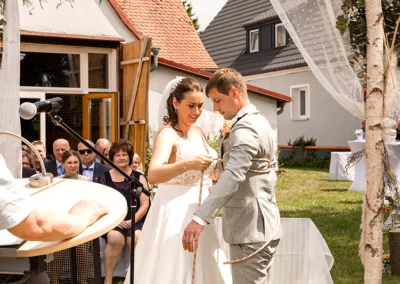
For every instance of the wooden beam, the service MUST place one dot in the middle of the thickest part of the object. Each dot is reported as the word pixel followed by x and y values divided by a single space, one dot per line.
pixel 133 61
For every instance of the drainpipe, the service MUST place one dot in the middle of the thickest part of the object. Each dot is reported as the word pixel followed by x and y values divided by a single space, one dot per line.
pixel 281 106
pixel 154 62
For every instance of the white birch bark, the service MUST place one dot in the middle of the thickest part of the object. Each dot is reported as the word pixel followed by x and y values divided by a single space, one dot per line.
pixel 373 205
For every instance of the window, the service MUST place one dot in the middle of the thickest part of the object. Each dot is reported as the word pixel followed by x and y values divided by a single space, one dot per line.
pixel 300 106
pixel 50 70
pixel 61 69
pixel 254 41
pixel 280 35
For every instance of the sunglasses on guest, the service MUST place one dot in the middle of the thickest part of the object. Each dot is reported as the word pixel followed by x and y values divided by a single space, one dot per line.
pixel 82 152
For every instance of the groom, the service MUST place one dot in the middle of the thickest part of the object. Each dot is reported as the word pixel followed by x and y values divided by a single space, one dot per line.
pixel 246 189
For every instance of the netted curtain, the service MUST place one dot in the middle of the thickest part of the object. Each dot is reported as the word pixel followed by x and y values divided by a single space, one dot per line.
pixel 10 148
pixel 311 24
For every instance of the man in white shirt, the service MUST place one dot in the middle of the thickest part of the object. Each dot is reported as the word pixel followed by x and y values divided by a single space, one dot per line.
pixel 21 218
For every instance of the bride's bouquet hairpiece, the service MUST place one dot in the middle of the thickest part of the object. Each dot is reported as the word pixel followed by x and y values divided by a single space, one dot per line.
pixel 175 83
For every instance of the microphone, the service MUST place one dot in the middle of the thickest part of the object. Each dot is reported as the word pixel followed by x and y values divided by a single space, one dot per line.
pixel 29 110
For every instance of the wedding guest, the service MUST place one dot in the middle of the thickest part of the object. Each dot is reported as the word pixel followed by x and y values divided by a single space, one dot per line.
pixel 121 153
pixel 398 130
pixel 70 162
pixel 55 166
pixel 89 167
pixel 27 161
pixel 106 150
pixel 137 164
pixel 39 146
pixel 101 143
pixel 363 128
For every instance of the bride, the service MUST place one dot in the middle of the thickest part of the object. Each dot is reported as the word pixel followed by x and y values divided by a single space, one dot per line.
pixel 180 157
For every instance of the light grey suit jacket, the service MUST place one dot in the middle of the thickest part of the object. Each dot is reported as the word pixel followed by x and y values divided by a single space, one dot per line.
pixel 250 211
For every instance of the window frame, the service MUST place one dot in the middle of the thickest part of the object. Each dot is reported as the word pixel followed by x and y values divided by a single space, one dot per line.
pixel 251 34
pixel 83 52
pixel 295 90
pixel 276 35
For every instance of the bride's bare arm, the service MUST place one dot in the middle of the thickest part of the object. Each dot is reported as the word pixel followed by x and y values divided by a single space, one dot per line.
pixel 159 169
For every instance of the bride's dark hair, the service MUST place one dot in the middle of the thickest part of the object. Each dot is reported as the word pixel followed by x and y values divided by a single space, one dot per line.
pixel 185 85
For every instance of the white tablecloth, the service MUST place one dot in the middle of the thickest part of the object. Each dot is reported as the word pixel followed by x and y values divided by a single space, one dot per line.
pixel 360 183
pixel 337 166
pixel 302 256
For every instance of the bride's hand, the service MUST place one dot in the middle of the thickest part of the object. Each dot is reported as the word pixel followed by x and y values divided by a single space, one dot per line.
pixel 199 163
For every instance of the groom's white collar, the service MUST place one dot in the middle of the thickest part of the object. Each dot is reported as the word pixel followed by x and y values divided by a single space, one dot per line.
pixel 250 108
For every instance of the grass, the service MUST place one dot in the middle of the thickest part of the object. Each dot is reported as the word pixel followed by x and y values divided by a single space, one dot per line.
pixel 308 193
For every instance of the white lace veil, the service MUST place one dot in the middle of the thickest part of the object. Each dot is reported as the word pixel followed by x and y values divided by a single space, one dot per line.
pixel 10 148
pixel 209 121
pixel 311 24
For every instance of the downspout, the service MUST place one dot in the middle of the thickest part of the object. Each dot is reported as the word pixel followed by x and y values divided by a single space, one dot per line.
pixel 281 106
pixel 154 62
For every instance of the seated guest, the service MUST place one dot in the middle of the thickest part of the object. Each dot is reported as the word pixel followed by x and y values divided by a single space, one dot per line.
pixel 39 146
pixel 89 167
pixel 398 130
pixel 137 164
pixel 121 153
pixel 25 149
pixel 70 162
pixel 27 166
pixel 101 143
pixel 106 150
pixel 55 166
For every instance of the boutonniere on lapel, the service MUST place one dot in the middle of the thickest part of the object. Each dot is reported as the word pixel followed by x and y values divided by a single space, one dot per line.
pixel 225 128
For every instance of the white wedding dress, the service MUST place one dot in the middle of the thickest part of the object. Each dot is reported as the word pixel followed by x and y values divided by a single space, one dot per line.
pixel 159 254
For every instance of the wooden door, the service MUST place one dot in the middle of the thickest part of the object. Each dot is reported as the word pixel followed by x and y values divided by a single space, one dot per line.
pixel 136 75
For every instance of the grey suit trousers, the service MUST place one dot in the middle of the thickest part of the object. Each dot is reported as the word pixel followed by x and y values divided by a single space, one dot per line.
pixel 254 270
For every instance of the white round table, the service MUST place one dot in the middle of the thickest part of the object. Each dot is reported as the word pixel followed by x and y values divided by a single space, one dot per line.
pixel 360 183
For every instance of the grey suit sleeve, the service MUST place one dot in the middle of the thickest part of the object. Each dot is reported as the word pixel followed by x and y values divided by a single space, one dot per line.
pixel 245 146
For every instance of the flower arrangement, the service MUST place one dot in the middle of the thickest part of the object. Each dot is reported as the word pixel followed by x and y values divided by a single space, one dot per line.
pixel 225 128
pixel 358 132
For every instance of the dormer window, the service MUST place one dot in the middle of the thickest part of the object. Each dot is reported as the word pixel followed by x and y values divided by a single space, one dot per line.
pixel 254 41
pixel 280 35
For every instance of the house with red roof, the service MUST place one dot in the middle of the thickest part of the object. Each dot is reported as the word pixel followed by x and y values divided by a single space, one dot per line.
pixel 181 54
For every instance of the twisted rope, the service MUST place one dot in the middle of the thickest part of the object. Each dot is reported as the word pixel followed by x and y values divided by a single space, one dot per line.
pixel 195 252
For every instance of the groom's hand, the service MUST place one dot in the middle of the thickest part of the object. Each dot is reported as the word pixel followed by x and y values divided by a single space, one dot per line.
pixel 190 239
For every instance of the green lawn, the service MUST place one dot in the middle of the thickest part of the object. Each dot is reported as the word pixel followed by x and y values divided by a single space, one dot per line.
pixel 308 193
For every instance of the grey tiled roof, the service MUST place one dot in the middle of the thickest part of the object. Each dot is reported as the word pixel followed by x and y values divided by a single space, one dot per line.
pixel 225 40
pixel 262 17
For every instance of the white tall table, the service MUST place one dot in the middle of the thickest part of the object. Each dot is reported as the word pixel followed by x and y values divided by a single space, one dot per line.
pixel 360 183
pixel 337 168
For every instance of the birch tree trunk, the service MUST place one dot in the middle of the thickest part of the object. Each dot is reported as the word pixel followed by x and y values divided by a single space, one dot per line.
pixel 373 210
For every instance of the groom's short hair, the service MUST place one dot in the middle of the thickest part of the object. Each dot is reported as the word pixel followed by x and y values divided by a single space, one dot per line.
pixel 224 79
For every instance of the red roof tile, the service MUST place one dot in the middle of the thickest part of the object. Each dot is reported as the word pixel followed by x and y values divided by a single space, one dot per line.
pixel 208 75
pixel 170 28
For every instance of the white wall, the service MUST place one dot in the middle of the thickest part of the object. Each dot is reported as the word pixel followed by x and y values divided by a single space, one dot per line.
pixel 115 21
pixel 160 77
pixel 329 123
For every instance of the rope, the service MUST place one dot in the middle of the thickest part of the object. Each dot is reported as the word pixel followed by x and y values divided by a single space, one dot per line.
pixel 269 167
pixel 195 252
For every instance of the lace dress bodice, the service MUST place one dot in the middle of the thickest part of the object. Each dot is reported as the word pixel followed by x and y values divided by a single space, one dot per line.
pixel 187 150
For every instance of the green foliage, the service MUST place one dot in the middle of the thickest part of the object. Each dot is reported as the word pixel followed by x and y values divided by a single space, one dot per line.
pixel 189 10
pixel 308 161
pixel 213 142
pixel 303 142
pixel 353 20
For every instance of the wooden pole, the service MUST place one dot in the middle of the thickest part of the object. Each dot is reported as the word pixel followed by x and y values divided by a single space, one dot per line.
pixel 373 205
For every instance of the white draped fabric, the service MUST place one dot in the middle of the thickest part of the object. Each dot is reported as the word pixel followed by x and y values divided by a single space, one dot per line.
pixel 311 24
pixel 10 148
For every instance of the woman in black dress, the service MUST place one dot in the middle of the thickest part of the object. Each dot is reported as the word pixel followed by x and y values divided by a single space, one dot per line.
pixel 121 153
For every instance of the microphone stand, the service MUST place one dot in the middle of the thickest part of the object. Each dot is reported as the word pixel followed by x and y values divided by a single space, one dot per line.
pixel 136 186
